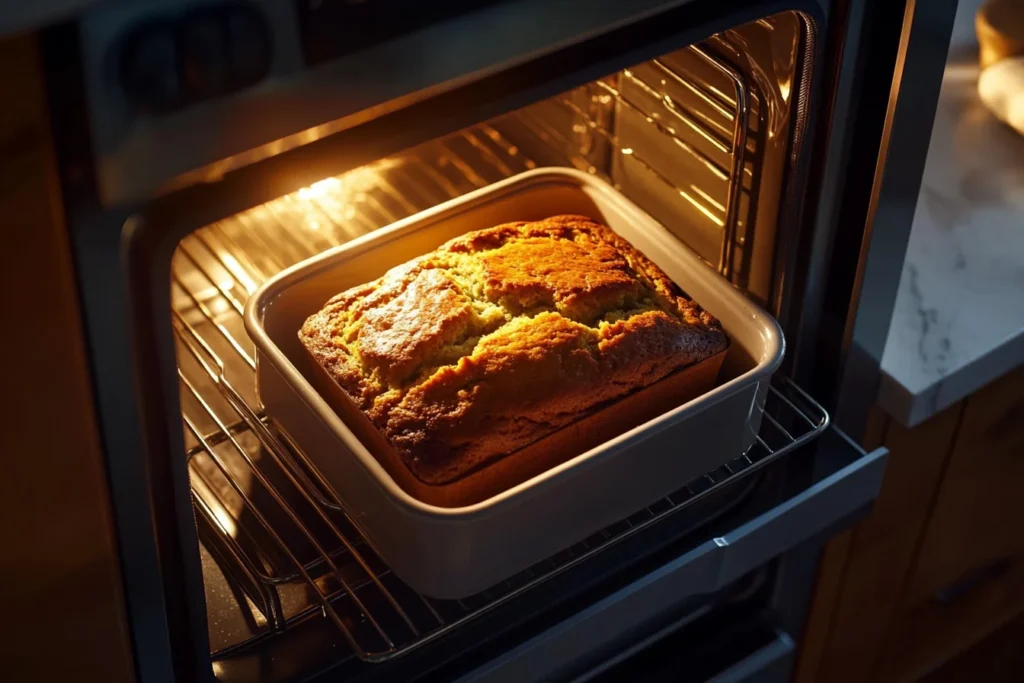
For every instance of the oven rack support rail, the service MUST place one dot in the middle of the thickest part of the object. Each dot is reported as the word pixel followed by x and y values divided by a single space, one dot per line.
pixel 679 129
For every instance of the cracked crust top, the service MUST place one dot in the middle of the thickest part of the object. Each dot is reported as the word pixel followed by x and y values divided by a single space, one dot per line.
pixel 502 336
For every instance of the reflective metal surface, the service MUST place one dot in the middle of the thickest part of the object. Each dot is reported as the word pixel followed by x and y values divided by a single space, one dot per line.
pixel 265 510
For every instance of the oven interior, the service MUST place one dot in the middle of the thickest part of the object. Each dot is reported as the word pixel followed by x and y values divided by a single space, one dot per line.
pixel 701 138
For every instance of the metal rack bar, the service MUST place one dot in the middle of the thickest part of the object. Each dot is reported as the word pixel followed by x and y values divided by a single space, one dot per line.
pixel 275 449
pixel 241 267
pixel 739 148
pixel 211 317
pixel 269 602
pixel 255 511
pixel 215 439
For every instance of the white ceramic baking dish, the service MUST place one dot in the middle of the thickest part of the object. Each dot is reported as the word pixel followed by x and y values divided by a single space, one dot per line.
pixel 456 552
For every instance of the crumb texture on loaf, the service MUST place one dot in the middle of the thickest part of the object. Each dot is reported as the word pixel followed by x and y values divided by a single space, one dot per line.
pixel 503 335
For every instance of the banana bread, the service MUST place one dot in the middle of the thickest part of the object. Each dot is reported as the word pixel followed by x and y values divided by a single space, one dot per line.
pixel 503 336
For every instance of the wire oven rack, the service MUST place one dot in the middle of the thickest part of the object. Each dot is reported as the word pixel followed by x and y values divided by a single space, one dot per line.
pixel 284 541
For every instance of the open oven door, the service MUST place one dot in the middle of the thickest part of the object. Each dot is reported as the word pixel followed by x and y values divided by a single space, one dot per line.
pixel 637 624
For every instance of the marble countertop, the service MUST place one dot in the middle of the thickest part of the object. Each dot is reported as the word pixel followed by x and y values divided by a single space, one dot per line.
pixel 959 317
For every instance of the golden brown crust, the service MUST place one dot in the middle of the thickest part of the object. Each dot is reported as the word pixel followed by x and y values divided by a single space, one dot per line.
pixel 502 336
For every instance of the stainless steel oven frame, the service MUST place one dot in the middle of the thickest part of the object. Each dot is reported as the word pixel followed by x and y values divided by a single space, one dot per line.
pixel 854 177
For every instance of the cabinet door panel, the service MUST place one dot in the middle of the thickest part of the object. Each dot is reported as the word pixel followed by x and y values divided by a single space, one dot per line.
pixel 977 518
pixel 968 578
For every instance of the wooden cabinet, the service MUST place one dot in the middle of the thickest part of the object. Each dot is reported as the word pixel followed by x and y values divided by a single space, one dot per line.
pixel 939 563
pixel 968 576
pixel 60 585
pixel 978 518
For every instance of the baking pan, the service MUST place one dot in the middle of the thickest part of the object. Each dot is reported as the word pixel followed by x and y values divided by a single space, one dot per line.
pixel 453 552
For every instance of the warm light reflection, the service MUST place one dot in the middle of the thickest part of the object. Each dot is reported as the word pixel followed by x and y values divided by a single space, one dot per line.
pixel 320 189
pixel 708 198
pixel 218 306
pixel 700 207
pixel 257 614
pixel 785 87
pixel 226 521
pixel 232 264
pixel 212 503
pixel 348 186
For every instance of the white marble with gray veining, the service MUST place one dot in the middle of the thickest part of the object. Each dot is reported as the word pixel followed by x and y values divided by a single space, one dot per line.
pixel 959 316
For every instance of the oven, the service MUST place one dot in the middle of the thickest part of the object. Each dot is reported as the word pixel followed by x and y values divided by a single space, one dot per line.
pixel 204 147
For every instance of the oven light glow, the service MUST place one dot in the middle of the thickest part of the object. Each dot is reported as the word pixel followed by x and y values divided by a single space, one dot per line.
pixel 320 189
pixel 348 185
pixel 218 305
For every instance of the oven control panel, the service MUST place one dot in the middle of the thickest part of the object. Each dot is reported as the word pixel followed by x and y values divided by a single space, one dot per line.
pixel 333 28
pixel 193 53
pixel 172 61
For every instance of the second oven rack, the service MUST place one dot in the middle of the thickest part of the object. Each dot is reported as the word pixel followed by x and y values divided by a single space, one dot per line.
pixel 283 541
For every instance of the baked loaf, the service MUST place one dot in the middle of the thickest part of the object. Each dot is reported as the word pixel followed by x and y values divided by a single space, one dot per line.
pixel 502 336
